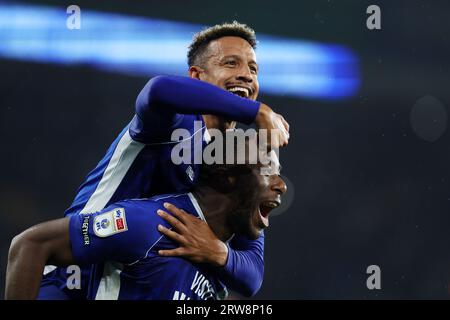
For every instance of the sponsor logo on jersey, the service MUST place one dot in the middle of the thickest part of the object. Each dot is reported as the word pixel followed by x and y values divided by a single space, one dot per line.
pixel 202 287
pixel 111 222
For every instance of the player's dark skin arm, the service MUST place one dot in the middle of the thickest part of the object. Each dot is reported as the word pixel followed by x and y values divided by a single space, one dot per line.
pixel 30 251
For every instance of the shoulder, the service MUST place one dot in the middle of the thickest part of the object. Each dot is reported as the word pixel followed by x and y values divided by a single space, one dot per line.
pixel 190 122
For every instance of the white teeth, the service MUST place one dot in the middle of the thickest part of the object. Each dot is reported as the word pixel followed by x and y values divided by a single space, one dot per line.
pixel 271 204
pixel 239 89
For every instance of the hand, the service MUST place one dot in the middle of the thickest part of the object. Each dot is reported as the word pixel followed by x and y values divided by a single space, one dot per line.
pixel 198 242
pixel 277 126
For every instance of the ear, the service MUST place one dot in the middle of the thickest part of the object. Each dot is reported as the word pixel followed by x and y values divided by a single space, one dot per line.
pixel 195 72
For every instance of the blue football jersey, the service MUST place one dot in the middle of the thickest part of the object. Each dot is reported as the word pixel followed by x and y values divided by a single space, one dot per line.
pixel 124 238
pixel 132 169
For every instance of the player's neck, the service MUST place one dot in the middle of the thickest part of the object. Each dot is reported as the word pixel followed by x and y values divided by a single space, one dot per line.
pixel 215 122
pixel 216 207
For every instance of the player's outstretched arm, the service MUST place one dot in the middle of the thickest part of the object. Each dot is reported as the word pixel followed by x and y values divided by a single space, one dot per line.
pixel 30 251
pixel 164 98
pixel 240 266
pixel 185 95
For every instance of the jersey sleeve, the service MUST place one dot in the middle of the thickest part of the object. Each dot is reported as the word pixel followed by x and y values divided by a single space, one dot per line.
pixel 164 100
pixel 244 270
pixel 122 232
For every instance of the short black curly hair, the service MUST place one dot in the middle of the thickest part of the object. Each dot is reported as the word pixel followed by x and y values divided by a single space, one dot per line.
pixel 200 41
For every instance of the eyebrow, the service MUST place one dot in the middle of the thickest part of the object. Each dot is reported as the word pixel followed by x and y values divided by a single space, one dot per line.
pixel 238 57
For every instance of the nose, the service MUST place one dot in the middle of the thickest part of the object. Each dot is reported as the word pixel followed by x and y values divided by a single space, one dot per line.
pixel 278 185
pixel 245 75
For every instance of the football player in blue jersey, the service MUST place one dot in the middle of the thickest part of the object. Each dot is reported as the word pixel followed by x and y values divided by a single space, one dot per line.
pixel 126 235
pixel 221 89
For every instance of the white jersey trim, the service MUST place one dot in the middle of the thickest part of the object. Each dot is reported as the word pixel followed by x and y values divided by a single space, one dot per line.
pixel 123 157
pixel 109 287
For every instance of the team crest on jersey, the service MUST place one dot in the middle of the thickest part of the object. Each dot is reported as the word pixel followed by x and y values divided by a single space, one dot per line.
pixel 111 222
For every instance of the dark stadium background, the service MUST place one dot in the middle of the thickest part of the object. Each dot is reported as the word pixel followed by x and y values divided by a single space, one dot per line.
pixel 367 189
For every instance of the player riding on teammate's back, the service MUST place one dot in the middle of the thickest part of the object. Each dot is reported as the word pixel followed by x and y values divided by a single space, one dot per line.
pixel 126 234
pixel 222 88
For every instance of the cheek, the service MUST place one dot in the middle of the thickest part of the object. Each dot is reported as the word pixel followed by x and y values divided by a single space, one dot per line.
pixel 220 77
pixel 256 88
pixel 264 184
pixel 227 74
pixel 261 184
pixel 211 75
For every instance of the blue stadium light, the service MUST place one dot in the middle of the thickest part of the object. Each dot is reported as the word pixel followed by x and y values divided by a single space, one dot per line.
pixel 146 47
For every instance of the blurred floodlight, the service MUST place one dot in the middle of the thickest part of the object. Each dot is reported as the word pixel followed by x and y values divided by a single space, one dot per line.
pixel 145 47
